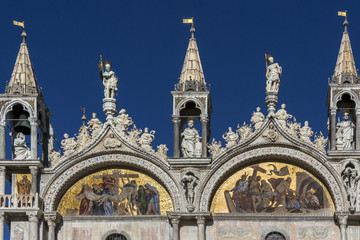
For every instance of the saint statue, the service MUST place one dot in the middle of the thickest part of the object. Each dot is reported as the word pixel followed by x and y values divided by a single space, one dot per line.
pixel 306 132
pixel 282 116
pixel 123 121
pixel 68 145
pixel 146 139
pixel 21 150
pixel 95 126
pixel 257 119
pixel 189 182
pixel 273 74
pixel 109 79
pixel 345 133
pixel 351 180
pixel 231 138
pixel 191 144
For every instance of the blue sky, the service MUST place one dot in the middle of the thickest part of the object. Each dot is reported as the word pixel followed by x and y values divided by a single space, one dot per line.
pixel 146 42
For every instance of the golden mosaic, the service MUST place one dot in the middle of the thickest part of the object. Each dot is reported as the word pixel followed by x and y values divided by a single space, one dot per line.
pixel 23 184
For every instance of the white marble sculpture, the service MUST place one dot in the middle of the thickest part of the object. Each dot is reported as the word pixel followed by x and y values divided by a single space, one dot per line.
pixel 273 74
pixel 282 116
pixel 257 119
pixel 191 144
pixel 68 145
pixel 215 148
pixel 123 121
pixel 21 151
pixel 231 138
pixel 271 133
pixel 110 81
pixel 293 128
pixel 94 126
pixel 189 182
pixel 111 142
pixel 51 138
pixel 162 151
pixel 351 179
pixel 345 133
pixel 146 139
pixel 320 142
pixel 134 135
pixel 306 133
pixel 244 131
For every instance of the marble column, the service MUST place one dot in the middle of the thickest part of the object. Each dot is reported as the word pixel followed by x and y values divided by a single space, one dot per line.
pixel 2 225
pixel 357 130
pixel 176 122
pixel 34 178
pixel 34 225
pixel 333 129
pixel 52 219
pixel 2 180
pixel 2 141
pixel 34 141
pixel 342 220
pixel 204 124
pixel 175 224
pixel 200 220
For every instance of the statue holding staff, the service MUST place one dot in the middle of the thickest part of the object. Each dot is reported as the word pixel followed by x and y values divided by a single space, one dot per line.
pixel 273 74
pixel 109 78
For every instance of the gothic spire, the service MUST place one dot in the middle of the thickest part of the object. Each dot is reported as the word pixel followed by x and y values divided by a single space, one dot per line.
pixel 345 70
pixel 23 80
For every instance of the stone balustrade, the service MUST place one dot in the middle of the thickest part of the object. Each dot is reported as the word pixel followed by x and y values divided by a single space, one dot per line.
pixel 15 201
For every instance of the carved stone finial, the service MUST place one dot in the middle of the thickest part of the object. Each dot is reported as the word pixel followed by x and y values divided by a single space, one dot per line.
pixel 320 142
pixel 231 138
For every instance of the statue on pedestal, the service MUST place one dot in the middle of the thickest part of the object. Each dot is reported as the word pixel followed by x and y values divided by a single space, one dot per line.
pixel 146 139
pixel 123 121
pixel 257 119
pixel 273 74
pixel 94 126
pixel 282 116
pixel 189 182
pixel 191 144
pixel 109 79
pixel 68 145
pixel 21 152
pixel 306 133
pixel 231 138
pixel 345 133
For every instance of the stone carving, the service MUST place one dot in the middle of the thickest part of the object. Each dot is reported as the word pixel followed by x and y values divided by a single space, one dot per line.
pixel 244 131
pixel 68 145
pixel 320 142
pixel 146 139
pixel 306 133
pixel 273 74
pixel 231 138
pixel 191 144
pixel 54 157
pixel 271 133
pixel 293 128
pixel 133 136
pixel 215 148
pixel 111 142
pixel 189 182
pixel 83 138
pixel 21 151
pixel 351 179
pixel 313 232
pixel 345 133
pixel 162 151
pixel 109 79
pixel 123 121
pixel 282 116
pixel 233 232
pixel 94 126
pixel 51 139
pixel 257 119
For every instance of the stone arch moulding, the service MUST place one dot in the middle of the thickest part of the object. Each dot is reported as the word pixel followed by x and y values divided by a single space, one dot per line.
pixel 323 171
pixel 8 107
pixel 339 95
pixel 53 191
pixel 181 105
pixel 115 231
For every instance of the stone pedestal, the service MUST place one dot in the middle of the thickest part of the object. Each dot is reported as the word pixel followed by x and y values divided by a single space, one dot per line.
pixel 271 100
pixel 109 108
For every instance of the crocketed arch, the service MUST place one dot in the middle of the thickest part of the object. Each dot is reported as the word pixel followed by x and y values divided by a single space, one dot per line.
pixel 9 105
pixel 339 95
pixel 321 170
pixel 182 104
pixel 58 185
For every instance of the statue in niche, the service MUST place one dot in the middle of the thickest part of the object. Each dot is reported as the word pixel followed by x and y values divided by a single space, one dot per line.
pixel 257 118
pixel 191 144
pixel 231 138
pixel 123 121
pixel 21 152
pixel 95 126
pixel 51 139
pixel 351 179
pixel 68 145
pixel 345 133
pixel 273 74
pixel 306 132
pixel 23 186
pixel 109 79
pixel 189 182
pixel 146 139
pixel 282 116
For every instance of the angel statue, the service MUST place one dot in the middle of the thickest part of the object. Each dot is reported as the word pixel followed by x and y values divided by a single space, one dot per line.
pixel 273 74
pixel 108 77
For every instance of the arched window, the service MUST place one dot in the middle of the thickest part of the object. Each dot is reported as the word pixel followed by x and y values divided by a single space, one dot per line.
pixel 116 236
pixel 275 236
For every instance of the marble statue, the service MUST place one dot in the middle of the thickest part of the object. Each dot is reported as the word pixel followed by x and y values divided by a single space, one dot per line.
pixel 123 121
pixel 244 131
pixel 94 126
pixel 273 74
pixel 215 148
pixel 109 79
pixel 351 179
pixel 146 139
pixel 282 116
pixel 306 133
pixel 190 145
pixel 21 151
pixel 51 138
pixel 162 151
pixel 257 119
pixel 293 128
pixel 134 135
pixel 68 145
pixel 111 142
pixel 345 133
pixel 231 138
pixel 320 142
pixel 271 133
pixel 189 182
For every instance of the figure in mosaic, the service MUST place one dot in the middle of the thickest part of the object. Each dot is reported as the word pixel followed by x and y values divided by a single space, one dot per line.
pixel 257 119
pixel 21 151
pixel 23 186
pixel 190 145
pixel 273 74
pixel 109 79
pixel 345 133
pixel 152 200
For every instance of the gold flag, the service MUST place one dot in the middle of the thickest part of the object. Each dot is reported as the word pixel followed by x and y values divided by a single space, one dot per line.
pixel 21 24
pixel 190 20
pixel 342 14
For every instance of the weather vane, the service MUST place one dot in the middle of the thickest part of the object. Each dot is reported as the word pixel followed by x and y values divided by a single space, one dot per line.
pixel 189 20
pixel 21 24
pixel 342 14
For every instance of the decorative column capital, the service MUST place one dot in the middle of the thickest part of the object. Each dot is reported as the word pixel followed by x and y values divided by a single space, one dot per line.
pixel 333 110
pixel 200 220
pixel 33 121
pixel 357 111
pixel 33 216
pixel 175 220
pixel 2 170
pixel 176 118
pixel 342 219
pixel 52 218
pixel 2 216
pixel 3 122
pixel 34 170
pixel 204 118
